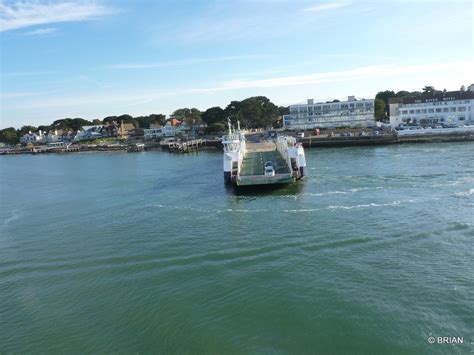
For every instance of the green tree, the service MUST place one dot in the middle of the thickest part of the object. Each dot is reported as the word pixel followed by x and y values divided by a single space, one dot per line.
pixel 74 124
pixel 216 127
pixel 283 110
pixel 429 90
pixel 402 93
pixel 146 121
pixel 213 115
pixel 110 119
pixel 233 111
pixel 126 118
pixel 379 108
pixel 253 112
pixel 9 136
pixel 384 96
pixel 187 115
pixel 25 130
pixel 259 112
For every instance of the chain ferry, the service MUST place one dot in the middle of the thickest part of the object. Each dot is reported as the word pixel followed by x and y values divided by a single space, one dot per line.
pixel 265 162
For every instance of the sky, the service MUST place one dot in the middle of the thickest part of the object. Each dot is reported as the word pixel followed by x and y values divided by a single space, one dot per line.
pixel 93 59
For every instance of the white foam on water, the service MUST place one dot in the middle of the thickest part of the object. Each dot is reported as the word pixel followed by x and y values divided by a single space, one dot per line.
pixel 15 216
pixel 342 207
pixel 336 192
pixel 465 193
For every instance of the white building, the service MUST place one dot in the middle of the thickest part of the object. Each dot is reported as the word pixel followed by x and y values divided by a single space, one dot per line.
pixel 452 107
pixel 351 113
pixel 88 133
pixel 152 133
pixel 40 137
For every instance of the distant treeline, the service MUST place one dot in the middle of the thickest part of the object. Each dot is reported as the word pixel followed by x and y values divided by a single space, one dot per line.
pixel 253 112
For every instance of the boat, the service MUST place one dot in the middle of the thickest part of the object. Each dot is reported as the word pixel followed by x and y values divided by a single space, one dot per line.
pixel 280 160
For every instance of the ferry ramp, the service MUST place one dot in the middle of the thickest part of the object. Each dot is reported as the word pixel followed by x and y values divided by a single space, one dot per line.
pixel 253 165
pixel 254 162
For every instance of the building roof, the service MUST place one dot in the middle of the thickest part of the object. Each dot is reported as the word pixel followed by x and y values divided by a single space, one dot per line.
pixel 88 128
pixel 173 122
pixel 433 97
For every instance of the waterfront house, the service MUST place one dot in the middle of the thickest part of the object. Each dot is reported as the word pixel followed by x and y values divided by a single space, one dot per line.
pixel 110 129
pixel 198 126
pixel 125 129
pixel 136 134
pixel 40 137
pixel 30 138
pixel 155 131
pixel 351 113
pixel 426 109
pixel 88 133
pixel 174 127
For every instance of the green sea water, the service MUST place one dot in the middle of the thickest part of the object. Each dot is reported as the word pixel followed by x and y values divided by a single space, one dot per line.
pixel 150 253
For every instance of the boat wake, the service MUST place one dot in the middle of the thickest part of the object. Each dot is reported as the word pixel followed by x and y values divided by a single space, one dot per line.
pixel 342 207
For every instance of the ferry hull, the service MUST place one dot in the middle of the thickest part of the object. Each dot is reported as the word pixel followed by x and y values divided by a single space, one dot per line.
pixel 261 180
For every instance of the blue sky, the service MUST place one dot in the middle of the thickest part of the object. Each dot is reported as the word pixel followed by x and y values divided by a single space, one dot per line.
pixel 92 59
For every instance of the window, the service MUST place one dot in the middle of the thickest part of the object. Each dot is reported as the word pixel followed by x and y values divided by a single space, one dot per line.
pixel 453 109
pixel 461 118
pixel 431 110
pixel 423 111
pixel 404 112
pixel 438 110
pixel 412 111
pixel 461 109
pixel 417 111
pixel 445 109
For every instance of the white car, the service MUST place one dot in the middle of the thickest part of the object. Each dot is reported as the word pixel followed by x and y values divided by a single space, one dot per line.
pixel 269 171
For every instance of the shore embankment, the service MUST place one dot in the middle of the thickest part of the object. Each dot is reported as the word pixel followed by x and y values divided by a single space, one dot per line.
pixel 409 136
pixel 464 134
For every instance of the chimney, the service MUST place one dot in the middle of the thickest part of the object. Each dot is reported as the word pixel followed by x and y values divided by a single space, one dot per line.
pixel 310 101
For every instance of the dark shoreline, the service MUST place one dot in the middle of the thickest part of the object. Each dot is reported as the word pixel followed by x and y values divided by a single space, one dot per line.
pixel 385 139
pixel 308 142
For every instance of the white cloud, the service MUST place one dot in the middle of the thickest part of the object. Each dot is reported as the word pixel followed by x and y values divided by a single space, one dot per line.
pixel 14 95
pixel 371 74
pixel 179 62
pixel 326 6
pixel 31 13
pixel 367 73
pixel 42 31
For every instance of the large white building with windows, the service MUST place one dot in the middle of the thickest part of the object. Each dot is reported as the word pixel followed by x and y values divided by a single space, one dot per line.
pixel 427 109
pixel 351 113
